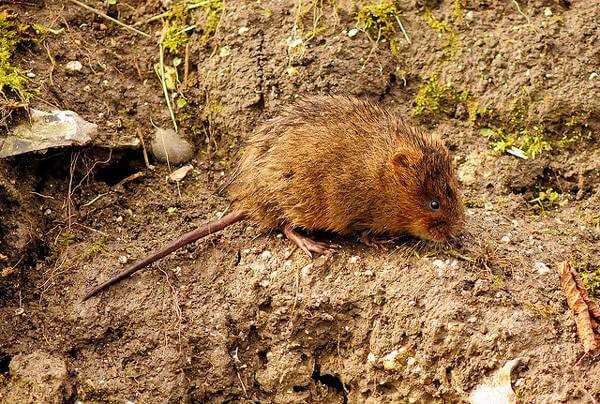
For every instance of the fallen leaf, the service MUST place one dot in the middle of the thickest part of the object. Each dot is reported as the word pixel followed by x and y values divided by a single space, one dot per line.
pixel 593 305
pixel 578 306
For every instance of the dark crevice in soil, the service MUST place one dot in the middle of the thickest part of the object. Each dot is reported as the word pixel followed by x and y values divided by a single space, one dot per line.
pixel 330 380
pixel 4 362
pixel 389 86
pixel 299 389
pixel 120 167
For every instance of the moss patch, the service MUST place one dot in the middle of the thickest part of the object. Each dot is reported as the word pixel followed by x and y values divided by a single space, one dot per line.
pixel 381 21
pixel 590 275
pixel 13 83
pixel 201 16
pixel 437 98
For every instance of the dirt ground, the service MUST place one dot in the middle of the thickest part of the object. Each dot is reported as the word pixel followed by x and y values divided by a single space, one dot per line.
pixel 242 316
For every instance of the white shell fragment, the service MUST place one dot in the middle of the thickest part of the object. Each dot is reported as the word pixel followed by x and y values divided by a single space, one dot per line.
pixel 46 130
pixel 497 388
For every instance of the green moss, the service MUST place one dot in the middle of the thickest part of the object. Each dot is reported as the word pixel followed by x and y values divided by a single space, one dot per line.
pixel 529 142
pixel 458 11
pixel 12 79
pixel 211 15
pixel 591 279
pixel 96 247
pixel 177 31
pixel 546 199
pixel 175 37
pixel 435 97
pixel 440 26
pixel 380 21
pixel 65 239
pixel 444 30
pixel 497 281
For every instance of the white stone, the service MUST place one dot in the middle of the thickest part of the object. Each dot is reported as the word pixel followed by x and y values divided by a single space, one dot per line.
pixel 352 33
pixel 541 268
pixel 74 66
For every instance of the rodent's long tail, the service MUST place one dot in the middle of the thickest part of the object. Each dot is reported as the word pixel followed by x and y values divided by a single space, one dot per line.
pixel 187 238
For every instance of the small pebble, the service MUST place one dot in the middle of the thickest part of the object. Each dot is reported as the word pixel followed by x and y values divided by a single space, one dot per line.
pixel 469 15
pixel 371 358
pixel 593 76
pixel 74 66
pixel 168 145
pixel 548 12
pixel 541 268
pixel 119 219
pixel 264 283
pixel 505 239
pixel 31 75
pixel 123 260
pixel 305 271
pixel 243 30
pixel 352 33
pixel 353 260
pixel 19 311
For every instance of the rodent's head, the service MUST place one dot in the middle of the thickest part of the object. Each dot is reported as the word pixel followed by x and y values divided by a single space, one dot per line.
pixel 431 206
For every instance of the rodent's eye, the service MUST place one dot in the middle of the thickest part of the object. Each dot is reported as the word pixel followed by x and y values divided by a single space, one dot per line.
pixel 434 204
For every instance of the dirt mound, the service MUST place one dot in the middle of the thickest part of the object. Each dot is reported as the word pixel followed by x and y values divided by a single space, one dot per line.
pixel 240 315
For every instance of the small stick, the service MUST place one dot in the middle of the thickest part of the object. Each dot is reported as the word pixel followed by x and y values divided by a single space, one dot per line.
pixel 130 178
pixel 402 29
pixel 163 81
pixel 144 152
pixel 149 20
pixel 109 18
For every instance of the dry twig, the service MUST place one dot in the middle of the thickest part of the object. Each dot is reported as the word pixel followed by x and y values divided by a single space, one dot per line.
pixel 109 18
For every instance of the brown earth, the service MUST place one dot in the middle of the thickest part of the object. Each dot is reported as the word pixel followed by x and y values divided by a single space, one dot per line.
pixel 241 316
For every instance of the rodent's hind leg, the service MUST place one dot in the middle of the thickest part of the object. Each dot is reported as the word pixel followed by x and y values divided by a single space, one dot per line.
pixel 305 243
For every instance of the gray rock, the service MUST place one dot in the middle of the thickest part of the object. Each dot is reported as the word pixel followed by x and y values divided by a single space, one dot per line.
pixel 168 145
pixel 46 130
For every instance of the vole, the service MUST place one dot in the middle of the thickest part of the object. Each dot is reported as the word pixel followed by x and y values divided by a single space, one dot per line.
pixel 338 164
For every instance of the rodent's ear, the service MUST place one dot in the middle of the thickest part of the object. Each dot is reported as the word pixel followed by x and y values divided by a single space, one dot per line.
pixel 406 157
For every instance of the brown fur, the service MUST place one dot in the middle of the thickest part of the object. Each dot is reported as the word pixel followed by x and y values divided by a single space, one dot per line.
pixel 338 164
pixel 343 164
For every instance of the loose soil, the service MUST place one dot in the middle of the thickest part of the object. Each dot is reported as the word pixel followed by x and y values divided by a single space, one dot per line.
pixel 242 316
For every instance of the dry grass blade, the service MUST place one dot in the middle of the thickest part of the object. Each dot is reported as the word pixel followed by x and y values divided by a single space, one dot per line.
pixel 578 307
pixel 109 18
